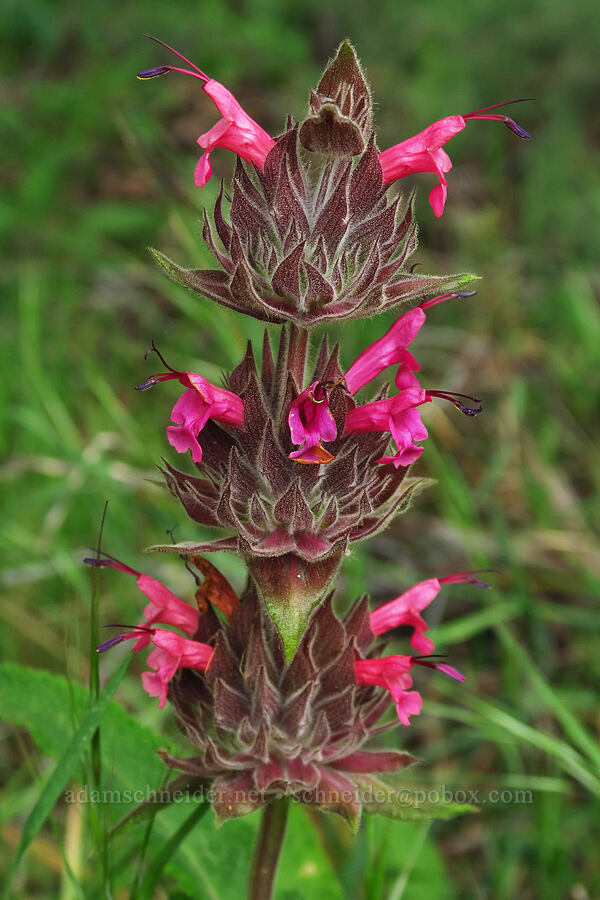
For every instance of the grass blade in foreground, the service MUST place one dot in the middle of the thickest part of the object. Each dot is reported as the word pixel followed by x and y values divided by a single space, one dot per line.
pixel 146 889
pixel 69 760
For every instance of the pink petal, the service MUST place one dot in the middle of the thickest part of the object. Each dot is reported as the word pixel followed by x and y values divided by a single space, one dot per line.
pixel 189 653
pixel 212 138
pixel 424 153
pixel 437 197
pixel 387 351
pixel 165 607
pixel 225 406
pixel 310 422
pixel 192 412
pixel 408 703
pixel 155 687
pixel 203 170
pixel 399 611
pixel 184 440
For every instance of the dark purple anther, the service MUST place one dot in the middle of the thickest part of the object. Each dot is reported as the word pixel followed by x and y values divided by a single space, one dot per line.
pixel 452 396
pixel 148 383
pixel 516 129
pixel 156 72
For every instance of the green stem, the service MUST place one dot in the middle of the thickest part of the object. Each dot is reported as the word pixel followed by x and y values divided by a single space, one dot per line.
pixel 94 682
pixel 267 849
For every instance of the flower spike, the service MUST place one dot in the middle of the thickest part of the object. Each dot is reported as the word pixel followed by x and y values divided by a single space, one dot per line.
pixel 276 692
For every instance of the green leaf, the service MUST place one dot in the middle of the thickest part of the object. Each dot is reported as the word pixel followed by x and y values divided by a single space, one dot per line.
pixel 65 767
pixel 47 706
pixel 407 803
pixel 405 862
pixel 304 868
pixel 576 732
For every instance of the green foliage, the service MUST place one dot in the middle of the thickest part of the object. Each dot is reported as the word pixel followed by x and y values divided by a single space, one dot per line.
pixel 95 168
pixel 396 799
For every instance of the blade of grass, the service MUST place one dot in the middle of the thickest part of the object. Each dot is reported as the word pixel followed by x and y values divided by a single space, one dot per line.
pixel 466 627
pixel 568 758
pixel 401 882
pixel 574 729
pixel 153 873
pixel 94 641
pixel 64 768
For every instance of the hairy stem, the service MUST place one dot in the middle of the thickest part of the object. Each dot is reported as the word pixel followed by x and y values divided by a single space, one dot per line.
pixel 297 353
pixel 267 850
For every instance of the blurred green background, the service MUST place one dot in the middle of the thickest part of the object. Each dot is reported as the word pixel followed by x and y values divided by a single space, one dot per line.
pixel 95 167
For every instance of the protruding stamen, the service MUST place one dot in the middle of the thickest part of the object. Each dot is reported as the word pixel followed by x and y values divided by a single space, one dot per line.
pixel 510 123
pixel 320 391
pixel 154 349
pixel 466 578
pixel 161 376
pixel 108 645
pixel 124 636
pixel 148 383
pixel 450 671
pixel 452 396
pixel 441 298
pixel 485 109
pixel 110 562
pixel 156 72
pixel 440 666
pixel 198 73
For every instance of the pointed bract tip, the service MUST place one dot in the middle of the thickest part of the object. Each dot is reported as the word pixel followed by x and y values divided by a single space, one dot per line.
pixel 346 48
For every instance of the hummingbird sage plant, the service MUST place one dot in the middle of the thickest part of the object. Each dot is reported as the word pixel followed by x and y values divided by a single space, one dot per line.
pixel 277 694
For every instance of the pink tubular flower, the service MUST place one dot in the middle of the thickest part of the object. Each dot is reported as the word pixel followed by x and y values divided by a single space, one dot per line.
pixel 311 422
pixel 393 672
pixel 405 609
pixel 399 416
pixel 389 350
pixel 165 608
pixel 171 652
pixel 236 131
pixel 200 402
pixel 424 152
